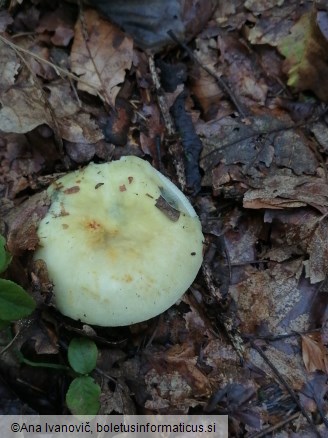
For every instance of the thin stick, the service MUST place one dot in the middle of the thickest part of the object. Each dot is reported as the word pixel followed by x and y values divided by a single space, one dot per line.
pixel 290 391
pixel 57 69
pixel 277 426
pixel 51 112
pixel 169 125
pixel 6 348
pixel 300 124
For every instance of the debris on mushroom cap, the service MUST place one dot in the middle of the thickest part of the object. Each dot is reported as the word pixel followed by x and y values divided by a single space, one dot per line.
pixel 121 242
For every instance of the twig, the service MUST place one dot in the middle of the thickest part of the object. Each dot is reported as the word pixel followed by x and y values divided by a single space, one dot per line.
pixel 290 391
pixel 282 336
pixel 277 426
pixel 6 348
pixel 233 335
pixel 57 69
pixel 219 80
pixel 210 283
pixel 169 125
pixel 173 145
pixel 102 373
pixel 51 112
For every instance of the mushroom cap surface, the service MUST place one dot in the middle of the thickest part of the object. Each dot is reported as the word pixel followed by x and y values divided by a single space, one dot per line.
pixel 121 242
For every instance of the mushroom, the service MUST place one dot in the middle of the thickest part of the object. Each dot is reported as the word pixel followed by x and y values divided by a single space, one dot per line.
pixel 121 243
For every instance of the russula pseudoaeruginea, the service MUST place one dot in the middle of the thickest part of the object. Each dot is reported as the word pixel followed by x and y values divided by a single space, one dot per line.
pixel 121 243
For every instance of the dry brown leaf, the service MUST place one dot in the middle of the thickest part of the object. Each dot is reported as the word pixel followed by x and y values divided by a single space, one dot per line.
pixel 39 69
pixel 274 24
pixel 80 128
pixel 119 400
pixel 289 364
pixel 21 159
pixel 320 131
pixel 174 380
pixel 245 79
pixel 74 124
pixel 103 59
pixel 80 152
pixel 275 300
pixel 288 191
pixel 263 5
pixel 204 86
pixel 315 354
pixel 314 393
pixel 184 360
pixel 23 109
pixel 5 20
pixel 317 266
pixel 9 66
pixel 23 104
pixel 62 99
pixel 60 22
pixel 300 232
pixel 22 223
pixel 167 390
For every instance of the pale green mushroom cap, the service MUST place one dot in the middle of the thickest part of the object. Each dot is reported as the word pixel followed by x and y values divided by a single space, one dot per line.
pixel 116 251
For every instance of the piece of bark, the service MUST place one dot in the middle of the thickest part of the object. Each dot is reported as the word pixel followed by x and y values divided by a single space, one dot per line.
pixel 22 223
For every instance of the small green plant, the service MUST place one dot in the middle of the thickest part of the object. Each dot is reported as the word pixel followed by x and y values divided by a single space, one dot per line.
pixel 15 303
pixel 83 394
pixel 82 397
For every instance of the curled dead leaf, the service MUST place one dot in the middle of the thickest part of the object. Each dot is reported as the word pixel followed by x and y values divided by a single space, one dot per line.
pixel 103 59
pixel 315 354
pixel 22 223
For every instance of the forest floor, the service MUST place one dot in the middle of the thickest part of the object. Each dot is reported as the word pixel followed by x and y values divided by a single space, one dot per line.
pixel 249 338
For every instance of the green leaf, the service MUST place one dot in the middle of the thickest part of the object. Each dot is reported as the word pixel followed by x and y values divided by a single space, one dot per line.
pixel 294 48
pixel 82 355
pixel 15 303
pixel 82 397
pixel 5 257
pixel 305 50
